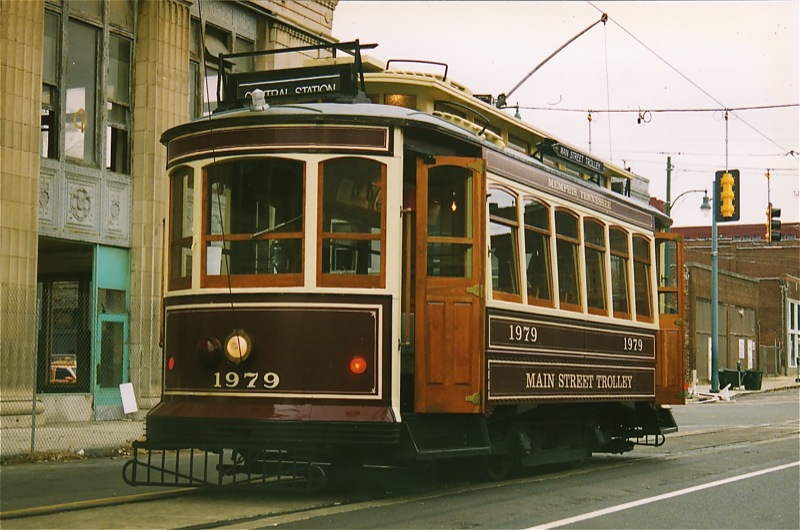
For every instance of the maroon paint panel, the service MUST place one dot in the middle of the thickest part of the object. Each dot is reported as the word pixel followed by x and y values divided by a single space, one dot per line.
pixel 257 410
pixel 220 141
pixel 524 335
pixel 545 381
pixel 302 351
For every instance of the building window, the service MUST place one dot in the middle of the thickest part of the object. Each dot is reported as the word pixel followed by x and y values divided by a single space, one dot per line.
pixel 65 339
pixel 118 105
pixel 80 126
pixel 86 67
pixel 50 93
pixel 503 237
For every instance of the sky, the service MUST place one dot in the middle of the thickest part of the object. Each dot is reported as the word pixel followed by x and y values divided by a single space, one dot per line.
pixel 657 77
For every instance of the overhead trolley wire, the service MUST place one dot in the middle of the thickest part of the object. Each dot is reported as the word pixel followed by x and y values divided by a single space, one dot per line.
pixel 698 87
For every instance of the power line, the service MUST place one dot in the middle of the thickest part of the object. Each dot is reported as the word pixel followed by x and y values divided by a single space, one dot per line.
pixel 640 111
pixel 698 87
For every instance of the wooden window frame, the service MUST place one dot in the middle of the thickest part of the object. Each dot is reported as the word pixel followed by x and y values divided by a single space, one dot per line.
pixel 602 252
pixel 514 226
pixel 646 261
pixel 626 257
pixel 547 235
pixel 576 245
pixel 293 279
pixel 350 280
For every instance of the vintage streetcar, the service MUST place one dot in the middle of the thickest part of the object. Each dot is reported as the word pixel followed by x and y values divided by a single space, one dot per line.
pixel 367 265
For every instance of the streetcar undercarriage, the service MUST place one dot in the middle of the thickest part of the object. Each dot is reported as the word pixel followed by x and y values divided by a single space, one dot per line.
pixel 187 452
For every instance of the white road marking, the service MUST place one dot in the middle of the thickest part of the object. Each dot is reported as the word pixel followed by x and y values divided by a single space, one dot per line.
pixel 641 502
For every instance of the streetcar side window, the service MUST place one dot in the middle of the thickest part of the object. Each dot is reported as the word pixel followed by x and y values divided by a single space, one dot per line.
pixel 618 240
pixel 253 223
pixel 567 245
pixel 641 279
pixel 503 234
pixel 536 216
pixel 352 223
pixel 180 237
pixel 595 261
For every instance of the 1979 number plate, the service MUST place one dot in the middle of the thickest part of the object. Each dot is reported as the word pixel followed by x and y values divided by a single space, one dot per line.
pixel 267 380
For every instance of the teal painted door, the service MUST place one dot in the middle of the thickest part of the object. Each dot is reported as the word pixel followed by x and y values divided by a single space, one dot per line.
pixel 111 275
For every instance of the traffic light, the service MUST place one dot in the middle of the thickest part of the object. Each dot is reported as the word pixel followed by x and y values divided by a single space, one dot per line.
pixel 773 224
pixel 726 196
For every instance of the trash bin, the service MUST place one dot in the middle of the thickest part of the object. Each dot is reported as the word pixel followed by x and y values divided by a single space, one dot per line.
pixel 730 377
pixel 752 379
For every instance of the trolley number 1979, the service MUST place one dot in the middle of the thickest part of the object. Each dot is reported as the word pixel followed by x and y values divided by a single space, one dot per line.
pixel 246 380
pixel 521 333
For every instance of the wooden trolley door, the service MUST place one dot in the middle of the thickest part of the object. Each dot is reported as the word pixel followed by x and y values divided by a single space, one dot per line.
pixel 450 295
pixel 670 364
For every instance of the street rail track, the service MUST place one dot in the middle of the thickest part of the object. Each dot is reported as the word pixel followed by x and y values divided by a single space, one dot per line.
pixel 296 501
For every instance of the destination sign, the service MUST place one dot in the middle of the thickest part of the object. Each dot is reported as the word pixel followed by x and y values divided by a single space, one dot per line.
pixel 294 83
pixel 521 335
pixel 519 380
pixel 568 154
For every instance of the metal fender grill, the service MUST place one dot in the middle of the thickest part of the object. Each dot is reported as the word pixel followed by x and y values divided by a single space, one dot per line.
pixel 192 453
pixel 205 467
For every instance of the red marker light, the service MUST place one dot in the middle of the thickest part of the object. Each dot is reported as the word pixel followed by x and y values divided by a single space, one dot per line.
pixel 171 363
pixel 358 365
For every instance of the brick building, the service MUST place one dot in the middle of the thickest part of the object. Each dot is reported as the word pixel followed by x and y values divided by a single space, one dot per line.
pixel 759 298
pixel 88 86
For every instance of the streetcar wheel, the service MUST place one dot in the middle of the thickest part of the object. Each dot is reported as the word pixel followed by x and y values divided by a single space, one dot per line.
pixel 494 468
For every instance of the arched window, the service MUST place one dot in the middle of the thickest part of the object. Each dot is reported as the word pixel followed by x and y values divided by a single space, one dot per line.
pixel 567 244
pixel 503 236
pixel 618 243
pixel 536 217
pixel 641 279
pixel 594 237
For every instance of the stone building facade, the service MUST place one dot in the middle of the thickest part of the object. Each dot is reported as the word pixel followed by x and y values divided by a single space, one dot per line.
pixel 88 86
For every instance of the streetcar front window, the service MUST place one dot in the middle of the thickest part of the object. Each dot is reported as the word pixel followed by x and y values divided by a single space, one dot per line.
pixel 567 244
pixel 641 278
pixel 618 240
pixel 352 223
pixel 181 216
pixel 503 229
pixel 253 223
pixel 537 252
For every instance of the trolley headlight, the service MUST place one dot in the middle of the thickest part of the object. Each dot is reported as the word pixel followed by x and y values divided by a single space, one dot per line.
pixel 209 351
pixel 358 365
pixel 238 346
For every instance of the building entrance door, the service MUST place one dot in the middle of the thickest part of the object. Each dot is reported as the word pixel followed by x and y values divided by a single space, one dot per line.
pixel 110 340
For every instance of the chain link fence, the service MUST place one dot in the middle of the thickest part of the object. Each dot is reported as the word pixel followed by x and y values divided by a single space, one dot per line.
pixel 61 366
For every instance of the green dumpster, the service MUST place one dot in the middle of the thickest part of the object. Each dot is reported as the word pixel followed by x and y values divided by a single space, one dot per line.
pixel 752 379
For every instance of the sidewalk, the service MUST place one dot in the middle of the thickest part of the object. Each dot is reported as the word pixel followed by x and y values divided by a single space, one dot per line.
pixel 104 438
pixel 702 392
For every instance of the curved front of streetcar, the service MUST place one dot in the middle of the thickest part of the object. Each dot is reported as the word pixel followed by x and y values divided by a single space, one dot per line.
pixel 280 288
